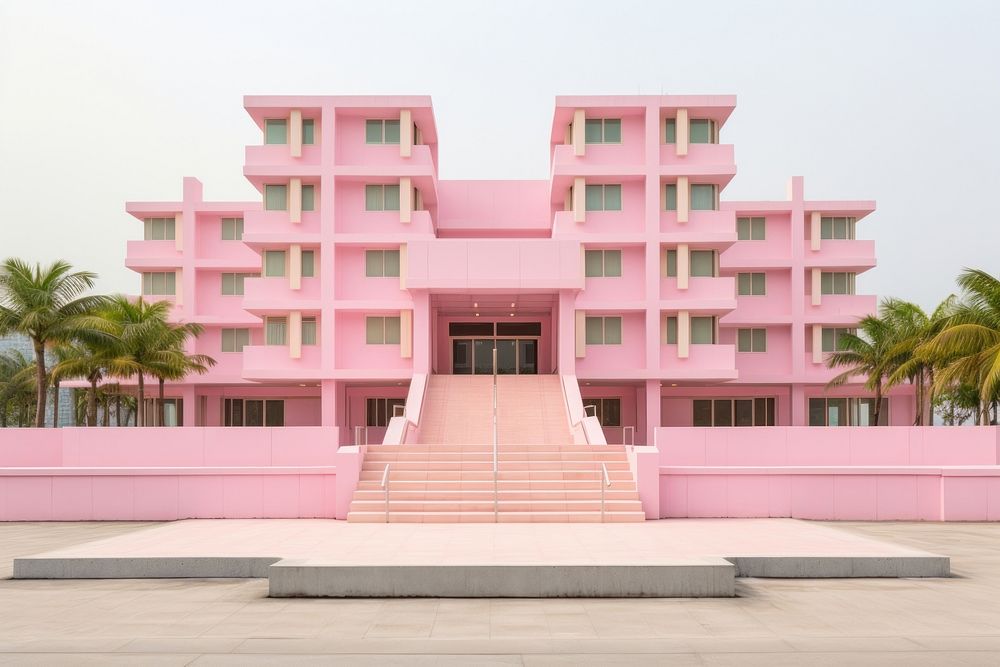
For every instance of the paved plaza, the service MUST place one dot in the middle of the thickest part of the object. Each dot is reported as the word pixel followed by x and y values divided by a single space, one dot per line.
pixel 953 621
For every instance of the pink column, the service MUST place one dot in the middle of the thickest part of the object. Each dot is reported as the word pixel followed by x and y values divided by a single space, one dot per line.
pixel 330 409
pixel 567 333
pixel 421 331
pixel 189 406
pixel 653 403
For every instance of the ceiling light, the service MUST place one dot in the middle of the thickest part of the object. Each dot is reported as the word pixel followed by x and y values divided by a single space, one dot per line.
pixel 477 314
pixel 475 304
pixel 512 314
pixel 674 384
pixel 512 305
pixel 302 385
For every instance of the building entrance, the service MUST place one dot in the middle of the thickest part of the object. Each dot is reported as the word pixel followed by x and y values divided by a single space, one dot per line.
pixel 515 343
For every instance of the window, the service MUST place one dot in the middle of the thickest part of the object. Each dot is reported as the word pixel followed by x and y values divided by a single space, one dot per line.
pixel 751 340
pixel 751 284
pixel 604 330
pixel 380 410
pixel 381 131
pixel 275 197
pixel 308 330
pixel 671 197
pixel 750 229
pixel 382 263
pixel 733 412
pixel 381 197
pixel 308 197
pixel 837 228
pixel 158 229
pixel 173 411
pixel 832 338
pixel 607 410
pixel 233 340
pixel 703 264
pixel 276 331
pixel 671 263
pixel 703 131
pixel 308 263
pixel 672 330
pixel 603 263
pixel 382 330
pixel 837 283
pixel 846 412
pixel 275 131
pixel 704 197
pixel 604 197
pixel 274 263
pixel 159 283
pixel 232 229
pixel 703 331
pixel 670 132
pixel 232 283
pixel 308 131
pixel 253 412
pixel 603 131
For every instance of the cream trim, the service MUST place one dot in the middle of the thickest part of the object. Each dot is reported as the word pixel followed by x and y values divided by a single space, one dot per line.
pixel 295 266
pixel 295 133
pixel 405 199
pixel 179 232
pixel 817 287
pixel 405 133
pixel 683 265
pixel 406 334
pixel 403 266
pixel 581 334
pixel 579 199
pixel 815 230
pixel 683 199
pixel 683 132
pixel 178 287
pixel 683 334
pixel 295 200
pixel 295 334
pixel 817 333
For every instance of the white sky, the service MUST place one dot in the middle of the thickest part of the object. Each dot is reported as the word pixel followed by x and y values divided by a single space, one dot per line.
pixel 103 102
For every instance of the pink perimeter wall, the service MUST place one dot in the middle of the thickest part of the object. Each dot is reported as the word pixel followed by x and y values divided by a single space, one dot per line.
pixel 846 473
pixel 79 474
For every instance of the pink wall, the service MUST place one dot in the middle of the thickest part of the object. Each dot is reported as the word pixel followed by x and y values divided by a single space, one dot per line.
pixel 353 352
pixel 443 344
pixel 630 355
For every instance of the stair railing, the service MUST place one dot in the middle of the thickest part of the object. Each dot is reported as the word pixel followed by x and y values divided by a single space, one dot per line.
pixel 605 482
pixel 495 464
pixel 626 432
pixel 385 488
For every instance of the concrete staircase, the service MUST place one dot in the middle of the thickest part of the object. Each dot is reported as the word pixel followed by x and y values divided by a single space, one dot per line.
pixel 447 476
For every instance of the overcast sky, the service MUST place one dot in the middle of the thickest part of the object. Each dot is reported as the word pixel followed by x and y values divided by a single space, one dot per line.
pixel 103 102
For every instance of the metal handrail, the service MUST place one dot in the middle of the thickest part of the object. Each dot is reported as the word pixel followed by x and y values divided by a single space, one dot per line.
pixel 605 482
pixel 496 491
pixel 628 441
pixel 385 487
pixel 358 430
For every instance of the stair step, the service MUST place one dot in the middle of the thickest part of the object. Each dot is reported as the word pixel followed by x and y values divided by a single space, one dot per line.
pixel 487 506
pixel 502 517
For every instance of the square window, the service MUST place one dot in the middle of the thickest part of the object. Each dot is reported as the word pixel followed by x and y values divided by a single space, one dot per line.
pixel 612 330
pixel 276 131
pixel 276 197
pixel 612 263
pixel 593 131
pixel 232 229
pixel 373 131
pixel 595 197
pixel 702 131
pixel 703 330
pixel 594 263
pixel 392 131
pixel 374 264
pixel 308 131
pixel 703 197
pixel 702 263
pixel 612 130
pixel 612 197
pixel 373 198
pixel 391 197
pixel 274 263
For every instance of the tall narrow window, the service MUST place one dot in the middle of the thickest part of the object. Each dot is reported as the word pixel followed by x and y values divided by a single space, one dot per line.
pixel 603 330
pixel 671 333
pixel 704 197
pixel 750 229
pixel 671 263
pixel 233 340
pixel 382 330
pixel 670 198
pixel 603 263
pixel 751 340
pixel 381 197
pixel 670 131
pixel 603 131
pixel 837 227
pixel 380 410
pixel 382 263
pixel 276 197
pixel 703 131
pixel 276 331
pixel 379 131
pixel 703 264
pixel 159 283
pixel 308 197
pixel 232 229
pixel 604 197
pixel 275 131
pixel 159 229
pixel 308 263
pixel 308 330
pixel 751 284
pixel 837 283
pixel 703 330
pixel 274 263
pixel 308 131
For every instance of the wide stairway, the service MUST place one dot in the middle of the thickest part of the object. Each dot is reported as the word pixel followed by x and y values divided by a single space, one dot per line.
pixel 446 474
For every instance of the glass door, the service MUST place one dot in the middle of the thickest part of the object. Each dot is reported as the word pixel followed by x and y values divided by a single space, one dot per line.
pixel 506 356
pixel 461 356
pixel 527 356
pixel 483 356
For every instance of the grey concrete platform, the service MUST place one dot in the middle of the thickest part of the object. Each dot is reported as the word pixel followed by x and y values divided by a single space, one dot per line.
pixel 320 558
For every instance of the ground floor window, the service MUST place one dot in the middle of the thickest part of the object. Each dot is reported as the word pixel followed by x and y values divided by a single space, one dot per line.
pixel 846 412
pixel 380 410
pixel 253 412
pixel 734 412
pixel 607 410
pixel 173 411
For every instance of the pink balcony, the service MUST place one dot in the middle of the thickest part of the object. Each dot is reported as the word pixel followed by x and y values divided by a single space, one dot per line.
pixel 271 155
pixel 383 160
pixel 701 227
pixel 152 255
pixel 264 227
pixel 269 294
pixel 703 294
pixel 701 158
pixel 841 253
pixel 599 159
pixel 818 373
pixel 840 308
pixel 773 252
pixel 704 362
pixel 272 362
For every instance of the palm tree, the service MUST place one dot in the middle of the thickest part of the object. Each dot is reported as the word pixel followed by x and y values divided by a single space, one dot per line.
pixel 17 387
pixel 968 346
pixel 866 353
pixel 81 360
pixel 174 363
pixel 913 328
pixel 48 305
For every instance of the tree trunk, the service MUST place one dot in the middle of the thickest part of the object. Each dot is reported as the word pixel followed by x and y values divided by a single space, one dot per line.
pixel 161 412
pixel 878 404
pixel 118 408
pixel 918 399
pixel 55 405
pixel 41 377
pixel 92 404
pixel 106 414
pixel 140 414
pixel 930 397
pixel 984 413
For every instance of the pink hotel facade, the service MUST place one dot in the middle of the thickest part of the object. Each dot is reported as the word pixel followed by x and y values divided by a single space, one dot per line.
pixel 626 273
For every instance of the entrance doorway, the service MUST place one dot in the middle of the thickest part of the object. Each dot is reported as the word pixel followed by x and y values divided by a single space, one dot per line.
pixel 514 356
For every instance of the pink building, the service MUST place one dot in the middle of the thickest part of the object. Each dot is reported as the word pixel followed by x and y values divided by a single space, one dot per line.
pixel 358 272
